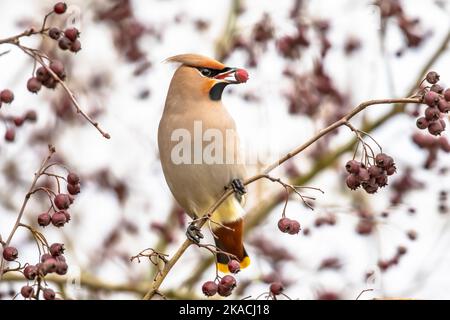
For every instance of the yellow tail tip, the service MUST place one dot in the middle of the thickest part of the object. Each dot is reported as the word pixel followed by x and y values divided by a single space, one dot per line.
pixel 222 267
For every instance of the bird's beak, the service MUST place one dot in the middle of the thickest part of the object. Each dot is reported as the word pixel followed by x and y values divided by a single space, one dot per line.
pixel 233 76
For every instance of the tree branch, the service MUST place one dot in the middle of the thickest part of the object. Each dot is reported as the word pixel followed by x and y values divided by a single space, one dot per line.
pixel 24 204
pixel 343 121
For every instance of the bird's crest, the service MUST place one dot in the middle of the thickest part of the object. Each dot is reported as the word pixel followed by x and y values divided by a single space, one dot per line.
pixel 196 60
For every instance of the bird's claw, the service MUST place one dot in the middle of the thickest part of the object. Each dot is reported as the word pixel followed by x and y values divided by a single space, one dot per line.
pixel 193 233
pixel 238 187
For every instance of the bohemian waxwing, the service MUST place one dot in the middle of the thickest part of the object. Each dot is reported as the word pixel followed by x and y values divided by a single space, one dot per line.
pixel 199 150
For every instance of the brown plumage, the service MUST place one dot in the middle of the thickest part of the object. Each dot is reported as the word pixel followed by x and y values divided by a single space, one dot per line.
pixel 193 98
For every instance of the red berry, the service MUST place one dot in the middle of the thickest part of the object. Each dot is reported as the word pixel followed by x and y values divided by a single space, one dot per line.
pixel 27 291
pixel 45 257
pixel 72 34
pixel 75 46
pixel 42 74
pixel 422 123
pixel 10 134
pixel 284 224
pixel 30 272
pixel 59 219
pixel 34 85
pixel 432 77
pixel 44 219
pixel 391 170
pixel 431 98
pixel 18 121
pixel 436 127
pixel 56 249
pixel 57 67
pixel 54 33
pixel 276 288
pixel 437 88
pixel 62 201
pixel 241 75
pixel 224 291
pixel 363 174
pixel 352 166
pixel 66 214
pixel 384 161
pixel 10 253
pixel 370 187
pixel 432 113
pixel 447 94
pixel 443 106
pixel 61 267
pixel 6 96
pixel 49 294
pixel 228 281
pixel 73 178
pixel 375 171
pixel 50 265
pixel 64 43
pixel 73 189
pixel 294 227
pixel 353 181
pixel 234 266
pixel 381 180
pixel 209 288
pixel 60 8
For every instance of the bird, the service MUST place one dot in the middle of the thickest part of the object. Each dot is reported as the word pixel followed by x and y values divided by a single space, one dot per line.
pixel 194 102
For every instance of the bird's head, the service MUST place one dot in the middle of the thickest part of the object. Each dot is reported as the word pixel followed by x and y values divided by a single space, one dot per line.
pixel 203 77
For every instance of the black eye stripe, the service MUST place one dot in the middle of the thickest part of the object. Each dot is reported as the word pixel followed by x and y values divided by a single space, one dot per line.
pixel 208 72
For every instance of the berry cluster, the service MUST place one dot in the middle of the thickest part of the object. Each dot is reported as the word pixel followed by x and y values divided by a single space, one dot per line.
pixel 289 226
pixel 44 77
pixel 370 177
pixel 224 287
pixel 51 262
pixel 17 121
pixel 6 96
pixel 67 39
pixel 62 202
pixel 438 104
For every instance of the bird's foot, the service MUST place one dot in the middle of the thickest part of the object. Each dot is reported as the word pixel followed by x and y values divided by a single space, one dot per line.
pixel 193 233
pixel 238 187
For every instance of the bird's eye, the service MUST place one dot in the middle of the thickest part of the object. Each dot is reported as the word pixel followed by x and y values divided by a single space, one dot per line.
pixel 206 72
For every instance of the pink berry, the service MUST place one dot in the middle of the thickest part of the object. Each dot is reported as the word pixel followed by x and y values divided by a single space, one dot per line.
pixel 44 219
pixel 6 96
pixel 27 291
pixel 276 288
pixel 209 288
pixel 10 254
pixel 60 8
pixel 49 294
pixel 62 201
pixel 241 75
pixel 234 266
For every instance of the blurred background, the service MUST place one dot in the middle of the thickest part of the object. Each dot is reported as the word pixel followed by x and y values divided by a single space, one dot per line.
pixel 310 62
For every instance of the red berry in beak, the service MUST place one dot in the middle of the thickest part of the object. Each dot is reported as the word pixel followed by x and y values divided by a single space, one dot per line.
pixel 241 75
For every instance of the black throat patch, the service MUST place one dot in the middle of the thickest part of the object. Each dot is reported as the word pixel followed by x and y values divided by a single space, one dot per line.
pixel 216 91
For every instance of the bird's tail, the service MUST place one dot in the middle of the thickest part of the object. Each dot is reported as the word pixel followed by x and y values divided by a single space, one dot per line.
pixel 229 238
